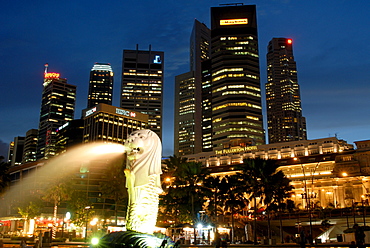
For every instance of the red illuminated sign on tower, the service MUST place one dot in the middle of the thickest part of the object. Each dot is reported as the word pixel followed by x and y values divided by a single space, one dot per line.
pixel 51 75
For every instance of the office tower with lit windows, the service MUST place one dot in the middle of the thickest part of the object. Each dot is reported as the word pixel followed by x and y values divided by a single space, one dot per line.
pixel 15 153
pixel 142 85
pixel 188 95
pixel 207 145
pixel 185 124
pixel 235 77
pixel 101 85
pixel 57 108
pixel 111 124
pixel 30 145
pixel 69 135
pixel 283 101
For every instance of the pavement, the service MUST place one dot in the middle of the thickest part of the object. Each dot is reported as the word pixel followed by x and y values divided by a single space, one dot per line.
pixel 16 243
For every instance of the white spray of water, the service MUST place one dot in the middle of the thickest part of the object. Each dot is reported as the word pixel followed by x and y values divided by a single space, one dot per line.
pixel 59 167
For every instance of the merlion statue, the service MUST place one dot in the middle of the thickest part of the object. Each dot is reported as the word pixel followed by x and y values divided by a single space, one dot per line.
pixel 143 170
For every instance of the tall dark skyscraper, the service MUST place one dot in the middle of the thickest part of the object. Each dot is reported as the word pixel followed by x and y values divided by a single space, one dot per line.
pixel 235 77
pixel 16 148
pixel 57 108
pixel 30 146
pixel 188 95
pixel 283 100
pixel 101 85
pixel 142 85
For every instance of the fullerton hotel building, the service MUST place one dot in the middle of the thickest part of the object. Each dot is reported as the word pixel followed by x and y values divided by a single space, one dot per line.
pixel 331 172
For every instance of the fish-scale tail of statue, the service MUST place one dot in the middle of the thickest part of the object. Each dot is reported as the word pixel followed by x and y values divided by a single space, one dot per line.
pixel 142 214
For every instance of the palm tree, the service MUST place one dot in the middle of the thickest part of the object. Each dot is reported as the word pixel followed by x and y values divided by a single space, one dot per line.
pixel 214 184
pixel 28 211
pixel 187 187
pixel 172 163
pixel 4 175
pixel 233 200
pixel 224 197
pixel 113 184
pixel 253 177
pixel 55 195
pixel 276 190
pixel 81 208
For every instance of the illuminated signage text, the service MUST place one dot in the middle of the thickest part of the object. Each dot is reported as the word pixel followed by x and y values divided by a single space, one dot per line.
pixel 125 112
pixel 61 127
pixel 90 111
pixel 52 75
pixel 239 149
pixel 234 21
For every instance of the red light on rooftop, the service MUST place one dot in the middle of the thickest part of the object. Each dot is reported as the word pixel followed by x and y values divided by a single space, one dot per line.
pixel 289 41
pixel 52 75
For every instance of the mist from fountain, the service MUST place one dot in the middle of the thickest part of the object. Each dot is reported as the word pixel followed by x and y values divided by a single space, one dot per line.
pixel 62 167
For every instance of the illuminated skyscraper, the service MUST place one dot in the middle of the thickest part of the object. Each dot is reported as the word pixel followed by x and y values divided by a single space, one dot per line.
pixel 142 85
pixel 188 95
pixel 101 85
pixel 57 108
pixel 69 135
pixel 283 100
pixel 184 128
pixel 16 148
pixel 30 146
pixel 235 77
pixel 111 124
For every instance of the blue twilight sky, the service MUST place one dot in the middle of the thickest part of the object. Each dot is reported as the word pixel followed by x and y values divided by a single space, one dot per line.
pixel 330 41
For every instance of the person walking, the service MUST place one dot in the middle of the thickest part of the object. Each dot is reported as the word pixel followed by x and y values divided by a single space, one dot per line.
pixel 217 240
pixel 359 236
pixel 302 241
pixel 23 243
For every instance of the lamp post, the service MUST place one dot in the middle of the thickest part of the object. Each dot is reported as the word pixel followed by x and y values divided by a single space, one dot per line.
pixel 308 195
pixel 363 209
pixel 87 209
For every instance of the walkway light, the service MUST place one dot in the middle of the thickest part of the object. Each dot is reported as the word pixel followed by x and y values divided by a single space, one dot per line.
pixel 95 241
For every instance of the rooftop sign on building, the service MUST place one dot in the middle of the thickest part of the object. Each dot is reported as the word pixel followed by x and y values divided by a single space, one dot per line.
pixel 51 75
pixel 112 110
pixel 234 21
pixel 125 112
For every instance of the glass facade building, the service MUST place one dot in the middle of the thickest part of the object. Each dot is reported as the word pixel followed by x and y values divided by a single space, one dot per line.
pixel 100 85
pixel 235 77
pixel 57 108
pixel 283 100
pixel 107 123
pixel 142 85
pixel 188 95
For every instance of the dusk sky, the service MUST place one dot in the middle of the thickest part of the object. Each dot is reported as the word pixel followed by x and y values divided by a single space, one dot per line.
pixel 331 43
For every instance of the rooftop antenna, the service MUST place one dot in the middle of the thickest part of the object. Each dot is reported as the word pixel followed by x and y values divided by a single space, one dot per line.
pixel 231 4
pixel 46 68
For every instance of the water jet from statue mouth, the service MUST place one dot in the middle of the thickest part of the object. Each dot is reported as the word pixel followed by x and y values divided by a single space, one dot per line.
pixel 109 148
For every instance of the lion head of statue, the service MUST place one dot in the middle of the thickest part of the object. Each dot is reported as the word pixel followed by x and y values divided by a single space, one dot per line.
pixel 144 153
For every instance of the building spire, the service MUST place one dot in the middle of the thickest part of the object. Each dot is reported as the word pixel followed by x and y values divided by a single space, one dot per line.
pixel 46 68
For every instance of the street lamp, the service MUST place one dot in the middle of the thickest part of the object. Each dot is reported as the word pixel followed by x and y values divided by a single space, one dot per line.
pixel 68 216
pixel 308 195
pixel 87 209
